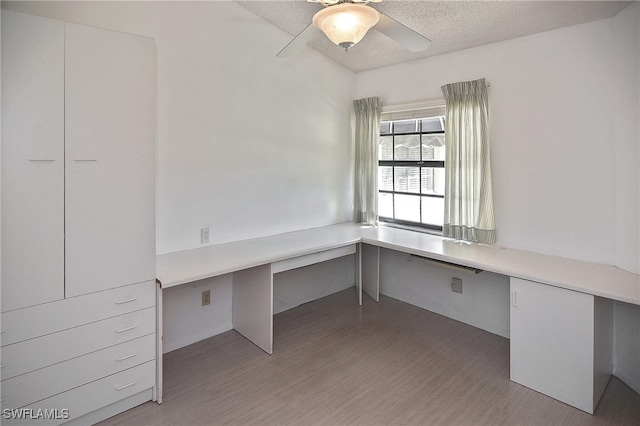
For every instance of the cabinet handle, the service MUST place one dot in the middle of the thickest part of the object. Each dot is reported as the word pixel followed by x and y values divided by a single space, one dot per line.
pixel 85 159
pixel 514 300
pixel 122 330
pixel 120 302
pixel 42 160
pixel 3 364
pixel 2 399
pixel 126 357
pixel 126 386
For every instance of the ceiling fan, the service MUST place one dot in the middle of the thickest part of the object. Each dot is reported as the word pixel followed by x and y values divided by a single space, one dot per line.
pixel 345 23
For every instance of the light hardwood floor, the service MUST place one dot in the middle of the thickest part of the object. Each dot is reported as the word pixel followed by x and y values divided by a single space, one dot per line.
pixel 336 363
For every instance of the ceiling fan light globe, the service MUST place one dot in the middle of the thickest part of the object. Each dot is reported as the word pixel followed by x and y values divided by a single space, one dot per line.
pixel 346 24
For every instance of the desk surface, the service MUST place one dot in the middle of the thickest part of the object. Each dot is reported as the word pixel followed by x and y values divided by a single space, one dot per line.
pixel 191 265
pixel 586 277
pixel 600 280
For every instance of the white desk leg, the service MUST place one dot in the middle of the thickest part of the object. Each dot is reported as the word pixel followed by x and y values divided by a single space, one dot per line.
pixel 252 310
pixel 371 271
pixel 359 272
pixel 159 339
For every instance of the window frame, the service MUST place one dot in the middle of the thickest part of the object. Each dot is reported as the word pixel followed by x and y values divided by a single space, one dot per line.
pixel 420 164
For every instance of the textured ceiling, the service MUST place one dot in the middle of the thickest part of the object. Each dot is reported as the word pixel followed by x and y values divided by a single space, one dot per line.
pixel 450 25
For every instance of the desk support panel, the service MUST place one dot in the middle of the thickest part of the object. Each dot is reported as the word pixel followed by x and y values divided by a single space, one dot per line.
pixel 252 310
pixel 358 267
pixel 371 271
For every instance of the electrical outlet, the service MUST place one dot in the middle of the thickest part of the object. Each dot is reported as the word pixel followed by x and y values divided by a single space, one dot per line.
pixel 206 297
pixel 456 285
pixel 205 235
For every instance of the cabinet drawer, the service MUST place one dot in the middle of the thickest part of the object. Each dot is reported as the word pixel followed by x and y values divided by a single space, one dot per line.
pixel 46 382
pixel 87 398
pixel 37 353
pixel 35 321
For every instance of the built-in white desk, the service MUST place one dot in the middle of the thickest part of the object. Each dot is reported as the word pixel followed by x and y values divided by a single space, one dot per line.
pixel 585 277
pixel 561 313
pixel 561 309
pixel 253 263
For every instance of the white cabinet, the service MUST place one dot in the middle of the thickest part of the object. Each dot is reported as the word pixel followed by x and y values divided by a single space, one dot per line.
pixel 561 342
pixel 78 167
pixel 78 218
pixel 110 163
pixel 32 160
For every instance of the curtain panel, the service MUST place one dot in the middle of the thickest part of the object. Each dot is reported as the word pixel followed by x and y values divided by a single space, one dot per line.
pixel 468 208
pixel 367 133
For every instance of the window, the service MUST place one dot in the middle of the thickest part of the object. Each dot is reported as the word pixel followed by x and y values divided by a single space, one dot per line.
pixel 411 171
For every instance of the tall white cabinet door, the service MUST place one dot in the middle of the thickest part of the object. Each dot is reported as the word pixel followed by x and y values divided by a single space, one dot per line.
pixel 110 163
pixel 32 160
pixel 552 342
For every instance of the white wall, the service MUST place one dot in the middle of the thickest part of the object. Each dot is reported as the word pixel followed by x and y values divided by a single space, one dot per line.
pixel 554 128
pixel 186 321
pixel 247 144
pixel 483 303
pixel 626 61
pixel 297 286
pixel 626 317
pixel 564 138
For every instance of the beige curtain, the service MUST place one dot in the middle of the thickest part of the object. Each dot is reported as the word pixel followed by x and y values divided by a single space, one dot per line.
pixel 367 115
pixel 468 200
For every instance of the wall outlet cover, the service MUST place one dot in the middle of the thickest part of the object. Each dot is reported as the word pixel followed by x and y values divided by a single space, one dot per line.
pixel 206 297
pixel 456 285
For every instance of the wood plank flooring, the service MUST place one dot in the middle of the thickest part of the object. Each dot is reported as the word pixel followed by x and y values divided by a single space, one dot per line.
pixel 336 363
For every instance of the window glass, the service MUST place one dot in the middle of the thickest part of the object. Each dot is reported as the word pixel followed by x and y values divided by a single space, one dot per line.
pixel 406 147
pixel 406 179
pixel 433 210
pixel 405 126
pixel 433 124
pixel 407 207
pixel 385 205
pixel 411 173
pixel 385 151
pixel 385 178
pixel 433 147
pixel 432 180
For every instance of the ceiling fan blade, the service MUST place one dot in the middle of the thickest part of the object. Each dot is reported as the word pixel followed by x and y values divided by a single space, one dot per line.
pixel 402 34
pixel 298 41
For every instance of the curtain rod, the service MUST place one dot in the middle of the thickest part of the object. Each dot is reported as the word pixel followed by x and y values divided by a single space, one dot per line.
pixel 411 106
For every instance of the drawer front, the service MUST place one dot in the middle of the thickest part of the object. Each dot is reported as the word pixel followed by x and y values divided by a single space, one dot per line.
pixel 85 399
pixel 47 350
pixel 336 253
pixel 310 259
pixel 40 320
pixel 294 262
pixel 46 382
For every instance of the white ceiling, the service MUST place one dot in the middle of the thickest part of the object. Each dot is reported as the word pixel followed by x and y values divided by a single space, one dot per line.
pixel 450 25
